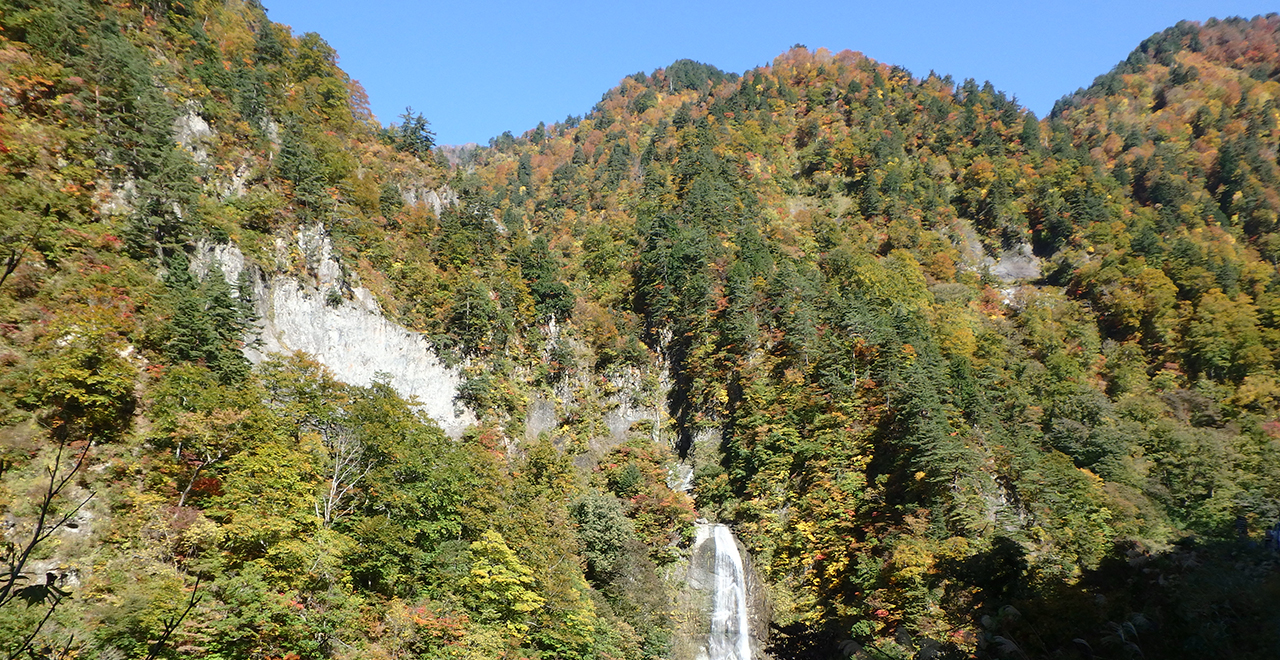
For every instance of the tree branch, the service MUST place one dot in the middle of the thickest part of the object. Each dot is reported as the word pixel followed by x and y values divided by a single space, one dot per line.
pixel 172 624
pixel 43 530
pixel 18 249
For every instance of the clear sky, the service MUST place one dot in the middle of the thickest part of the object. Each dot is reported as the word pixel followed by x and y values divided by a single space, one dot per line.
pixel 476 68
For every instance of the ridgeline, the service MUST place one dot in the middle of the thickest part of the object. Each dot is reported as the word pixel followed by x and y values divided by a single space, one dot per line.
pixel 964 382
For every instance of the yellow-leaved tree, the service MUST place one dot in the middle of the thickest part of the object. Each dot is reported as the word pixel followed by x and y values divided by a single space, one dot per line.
pixel 500 588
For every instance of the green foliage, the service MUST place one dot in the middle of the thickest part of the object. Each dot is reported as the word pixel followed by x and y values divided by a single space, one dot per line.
pixel 209 324
pixel 498 586
pixel 552 298
pixel 931 442
pixel 605 533
pixel 636 473
pixel 125 97
pixel 143 607
pixel 684 75
pixel 414 495
pixel 412 135
pixel 82 376
pixel 299 164
pixel 267 503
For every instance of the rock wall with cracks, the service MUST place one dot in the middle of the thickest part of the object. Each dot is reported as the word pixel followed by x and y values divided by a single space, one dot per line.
pixel 347 333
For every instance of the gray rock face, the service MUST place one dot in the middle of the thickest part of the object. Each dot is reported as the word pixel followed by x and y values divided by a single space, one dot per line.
pixel 1016 264
pixel 191 131
pixel 680 477
pixel 360 345
pixel 222 255
pixel 541 418
pixel 232 184
pixel 437 199
pixel 621 418
pixel 118 198
pixel 350 336
pixel 1013 265
pixel 318 251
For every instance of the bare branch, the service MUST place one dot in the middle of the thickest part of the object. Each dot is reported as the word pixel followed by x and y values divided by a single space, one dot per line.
pixel 349 467
pixel 16 560
pixel 172 624
pixel 43 530
pixel 17 249
pixel 22 648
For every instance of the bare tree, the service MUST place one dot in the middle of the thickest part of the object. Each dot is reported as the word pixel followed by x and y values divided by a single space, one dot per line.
pixel 348 465
pixel 203 439
pixel 16 555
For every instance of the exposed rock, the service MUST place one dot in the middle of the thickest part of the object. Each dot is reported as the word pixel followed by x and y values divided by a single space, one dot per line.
pixel 223 255
pixel 541 418
pixel 1016 264
pixel 119 198
pixel 437 199
pixel 233 185
pixel 319 310
pixel 972 254
pixel 359 344
pixel 349 335
pixel 620 402
pixel 192 132
pixel 67 576
pixel 706 444
pixel 1013 265
pixel 680 477
pixel 621 418
pixel 316 248
pixel 630 407
pixel 272 129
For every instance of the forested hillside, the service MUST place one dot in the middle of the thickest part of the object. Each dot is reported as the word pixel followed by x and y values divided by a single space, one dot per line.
pixel 965 382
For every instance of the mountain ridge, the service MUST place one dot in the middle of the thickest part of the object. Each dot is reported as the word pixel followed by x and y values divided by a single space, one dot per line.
pixel 964 382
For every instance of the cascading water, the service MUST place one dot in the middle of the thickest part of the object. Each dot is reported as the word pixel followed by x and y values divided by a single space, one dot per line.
pixel 730 634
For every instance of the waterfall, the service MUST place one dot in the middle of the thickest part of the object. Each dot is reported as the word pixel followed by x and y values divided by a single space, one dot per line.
pixel 730 634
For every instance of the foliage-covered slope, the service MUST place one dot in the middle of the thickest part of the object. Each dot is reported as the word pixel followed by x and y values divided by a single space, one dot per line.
pixel 964 381
pixel 271 512
pixel 908 442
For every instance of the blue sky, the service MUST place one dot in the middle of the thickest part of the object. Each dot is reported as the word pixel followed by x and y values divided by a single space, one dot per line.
pixel 478 68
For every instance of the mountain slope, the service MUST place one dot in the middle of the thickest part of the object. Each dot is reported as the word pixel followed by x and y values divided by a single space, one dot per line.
pixel 811 245
pixel 966 383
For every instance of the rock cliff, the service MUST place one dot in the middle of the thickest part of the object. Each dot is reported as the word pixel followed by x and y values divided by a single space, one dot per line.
pixel 347 332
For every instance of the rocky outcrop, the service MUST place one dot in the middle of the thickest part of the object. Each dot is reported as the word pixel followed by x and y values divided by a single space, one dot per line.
pixel 626 409
pixel 617 407
pixel 193 133
pixel 540 418
pixel 1015 264
pixel 340 325
pixel 435 198
pixel 359 344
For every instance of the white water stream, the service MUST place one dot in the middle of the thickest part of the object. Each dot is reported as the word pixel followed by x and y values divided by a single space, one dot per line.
pixel 730 636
